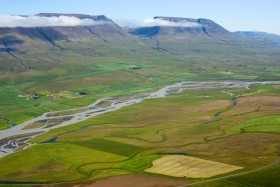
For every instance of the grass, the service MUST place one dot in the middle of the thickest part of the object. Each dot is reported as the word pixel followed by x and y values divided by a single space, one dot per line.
pixel 130 139
pixel 261 124
pixel 15 185
pixel 67 112
pixel 268 177
pixel 3 125
pixel 107 76
pixel 108 173
pixel 191 167
pixel 54 165
pixel 111 147
pixel 35 125
pixel 221 183
pixel 137 164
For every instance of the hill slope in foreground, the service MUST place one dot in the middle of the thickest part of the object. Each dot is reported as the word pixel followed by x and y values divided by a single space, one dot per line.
pixel 46 69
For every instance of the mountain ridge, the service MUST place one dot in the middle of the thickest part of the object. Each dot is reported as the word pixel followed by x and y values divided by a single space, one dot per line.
pixel 204 27
pixel 22 48
pixel 265 37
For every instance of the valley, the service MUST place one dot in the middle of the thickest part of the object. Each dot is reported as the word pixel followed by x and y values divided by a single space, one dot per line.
pixel 96 105
pixel 132 137
pixel 14 137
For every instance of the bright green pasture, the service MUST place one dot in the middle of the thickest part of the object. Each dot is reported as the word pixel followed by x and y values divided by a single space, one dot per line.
pixel 260 124
pixel 110 76
pixel 111 147
pixel 265 177
pixel 114 143
pixel 52 163
pixel 129 139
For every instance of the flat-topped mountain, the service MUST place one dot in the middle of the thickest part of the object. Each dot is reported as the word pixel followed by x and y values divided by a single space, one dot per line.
pixel 197 38
pixel 23 48
pixel 46 47
pixel 182 26
pixel 80 16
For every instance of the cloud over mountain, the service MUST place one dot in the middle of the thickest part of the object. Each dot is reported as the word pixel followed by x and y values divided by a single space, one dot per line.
pixel 154 22
pixel 39 21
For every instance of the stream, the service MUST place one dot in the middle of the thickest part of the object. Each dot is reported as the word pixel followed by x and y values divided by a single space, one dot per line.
pixel 217 115
pixel 16 138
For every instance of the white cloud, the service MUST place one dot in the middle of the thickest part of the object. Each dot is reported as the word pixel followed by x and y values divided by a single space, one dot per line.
pixel 37 21
pixel 154 22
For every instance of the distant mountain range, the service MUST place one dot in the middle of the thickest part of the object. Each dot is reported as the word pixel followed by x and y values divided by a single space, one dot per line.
pixel 47 47
pixel 268 38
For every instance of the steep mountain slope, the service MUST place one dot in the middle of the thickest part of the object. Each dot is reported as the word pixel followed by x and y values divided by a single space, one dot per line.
pixel 205 39
pixel 199 27
pixel 46 47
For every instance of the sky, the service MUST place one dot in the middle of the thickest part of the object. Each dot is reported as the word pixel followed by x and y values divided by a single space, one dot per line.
pixel 234 15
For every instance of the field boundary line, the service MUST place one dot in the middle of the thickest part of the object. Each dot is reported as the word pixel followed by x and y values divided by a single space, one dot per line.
pixel 233 175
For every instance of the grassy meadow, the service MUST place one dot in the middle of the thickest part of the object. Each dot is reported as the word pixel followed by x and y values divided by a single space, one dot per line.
pixel 101 77
pixel 130 139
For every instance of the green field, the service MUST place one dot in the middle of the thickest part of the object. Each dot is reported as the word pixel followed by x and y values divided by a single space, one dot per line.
pixel 111 147
pixel 108 76
pixel 261 124
pixel 130 139
pixel 56 69
pixel 267 177
pixel 52 163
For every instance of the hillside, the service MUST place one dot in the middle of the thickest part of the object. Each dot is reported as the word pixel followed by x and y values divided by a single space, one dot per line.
pixel 172 102
pixel 200 27
pixel 58 62
pixel 206 40
pixel 49 47
pixel 46 47
pixel 272 39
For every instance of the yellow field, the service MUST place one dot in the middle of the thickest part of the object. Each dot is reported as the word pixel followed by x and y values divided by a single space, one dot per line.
pixel 186 166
